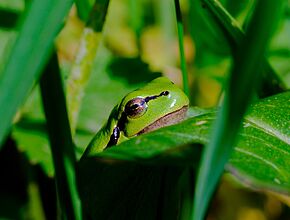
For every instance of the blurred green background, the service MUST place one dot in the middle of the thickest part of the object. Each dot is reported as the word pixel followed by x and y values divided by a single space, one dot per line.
pixel 139 43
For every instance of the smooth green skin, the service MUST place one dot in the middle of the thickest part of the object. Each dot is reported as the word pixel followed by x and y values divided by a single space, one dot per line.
pixel 157 108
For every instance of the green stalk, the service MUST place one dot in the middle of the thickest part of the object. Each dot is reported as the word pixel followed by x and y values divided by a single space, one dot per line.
pixel 136 19
pixel 83 8
pixel 62 147
pixel 181 47
pixel 271 82
pixel 245 78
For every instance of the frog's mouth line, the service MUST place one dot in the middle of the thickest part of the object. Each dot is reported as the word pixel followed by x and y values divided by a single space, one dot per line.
pixel 169 119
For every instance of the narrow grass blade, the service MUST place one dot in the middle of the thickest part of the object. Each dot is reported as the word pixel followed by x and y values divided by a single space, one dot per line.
pixel 181 47
pixel 60 140
pixel 83 8
pixel 98 14
pixel 29 54
pixel 136 19
pixel 164 15
pixel 271 82
pixel 244 80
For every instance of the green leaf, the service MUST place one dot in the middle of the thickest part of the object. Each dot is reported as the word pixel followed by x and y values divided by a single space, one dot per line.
pixel 31 138
pixel 31 50
pixel 266 165
pixel 261 157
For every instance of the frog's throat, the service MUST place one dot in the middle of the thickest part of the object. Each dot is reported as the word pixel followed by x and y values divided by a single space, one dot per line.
pixel 169 119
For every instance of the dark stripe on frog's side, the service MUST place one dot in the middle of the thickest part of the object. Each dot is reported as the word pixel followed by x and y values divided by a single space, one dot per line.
pixel 117 130
pixel 121 123
pixel 114 137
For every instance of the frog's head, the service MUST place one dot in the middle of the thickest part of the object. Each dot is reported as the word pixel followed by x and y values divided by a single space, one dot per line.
pixel 158 104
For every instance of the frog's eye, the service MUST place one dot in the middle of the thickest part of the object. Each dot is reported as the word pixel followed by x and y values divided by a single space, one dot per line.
pixel 136 107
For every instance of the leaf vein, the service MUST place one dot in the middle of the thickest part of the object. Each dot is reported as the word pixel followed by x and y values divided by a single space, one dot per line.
pixel 262 159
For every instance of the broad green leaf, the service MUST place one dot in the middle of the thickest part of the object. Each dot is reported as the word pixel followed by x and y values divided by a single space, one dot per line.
pixel 268 125
pixel 261 157
pixel 31 50
pixel 31 138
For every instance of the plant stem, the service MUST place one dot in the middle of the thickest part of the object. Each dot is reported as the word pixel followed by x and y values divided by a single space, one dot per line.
pixel 59 132
pixel 244 79
pixel 271 82
pixel 181 47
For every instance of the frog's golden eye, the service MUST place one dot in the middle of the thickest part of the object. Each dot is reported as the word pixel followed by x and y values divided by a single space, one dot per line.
pixel 136 107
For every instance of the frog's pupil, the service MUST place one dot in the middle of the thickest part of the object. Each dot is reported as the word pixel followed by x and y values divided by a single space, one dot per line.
pixel 165 93
pixel 134 106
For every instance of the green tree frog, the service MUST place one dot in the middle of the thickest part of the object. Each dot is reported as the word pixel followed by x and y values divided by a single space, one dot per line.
pixel 159 103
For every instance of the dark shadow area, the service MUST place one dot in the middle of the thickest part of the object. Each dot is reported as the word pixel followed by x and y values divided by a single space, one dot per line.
pixel 38 126
pixel 14 182
pixel 8 19
pixel 47 192
pixel 132 70
pixel 137 191
pixel 16 174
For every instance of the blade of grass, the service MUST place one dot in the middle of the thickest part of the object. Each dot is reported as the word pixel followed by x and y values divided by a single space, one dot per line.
pixel 165 20
pixel 64 159
pixel 187 187
pixel 136 19
pixel 83 62
pixel 29 54
pixel 271 82
pixel 181 47
pixel 243 81
pixel 83 8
